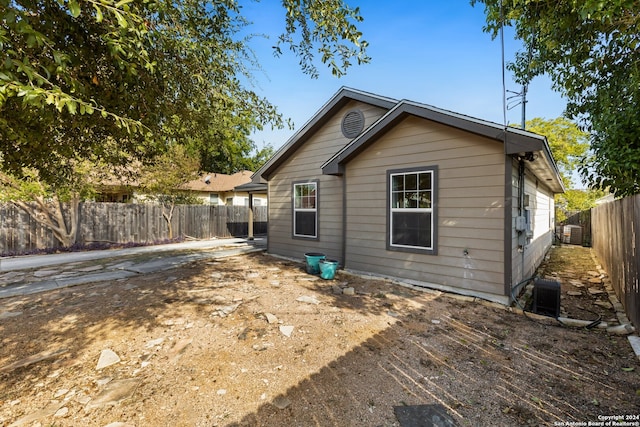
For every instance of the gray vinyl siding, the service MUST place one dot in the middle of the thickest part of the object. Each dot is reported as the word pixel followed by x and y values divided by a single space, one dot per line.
pixel 470 207
pixel 304 164
pixel 525 262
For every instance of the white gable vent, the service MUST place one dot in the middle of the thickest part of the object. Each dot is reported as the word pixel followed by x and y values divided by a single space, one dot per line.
pixel 352 124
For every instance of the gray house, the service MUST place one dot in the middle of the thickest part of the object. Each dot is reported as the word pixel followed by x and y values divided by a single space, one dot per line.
pixel 407 191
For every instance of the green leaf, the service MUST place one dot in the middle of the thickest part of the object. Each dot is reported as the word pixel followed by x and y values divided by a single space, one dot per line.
pixel 630 369
pixel 122 3
pixel 99 16
pixel 121 21
pixel 74 8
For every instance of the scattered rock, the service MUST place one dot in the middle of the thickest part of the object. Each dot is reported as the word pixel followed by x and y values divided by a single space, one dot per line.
pixel 62 412
pixel 51 409
pixel 275 283
pixel 91 268
pixel 225 311
pixel 574 293
pixel 634 340
pixel 44 355
pixel 221 392
pixel 603 304
pixel 60 393
pixel 271 319
pixel 349 291
pixel 9 314
pixel 174 322
pixel 107 358
pixel 180 347
pixel 435 321
pixel 45 273
pixel 103 381
pixel 281 402
pixel 114 393
pixel 593 273
pixel 82 398
pixel 153 343
pixel 308 299
pixel 337 290
pixel 286 330
pixel 595 291
pixel 625 329
pixel 595 281
pixel 119 424
pixel 253 275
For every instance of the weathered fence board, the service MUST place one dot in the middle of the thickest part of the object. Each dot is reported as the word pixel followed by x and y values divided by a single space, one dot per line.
pixel 616 241
pixel 129 223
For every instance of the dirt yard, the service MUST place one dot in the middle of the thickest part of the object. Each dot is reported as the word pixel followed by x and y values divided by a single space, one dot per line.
pixel 253 340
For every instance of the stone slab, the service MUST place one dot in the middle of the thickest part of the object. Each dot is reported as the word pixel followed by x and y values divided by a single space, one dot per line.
pixel 423 416
pixel 634 340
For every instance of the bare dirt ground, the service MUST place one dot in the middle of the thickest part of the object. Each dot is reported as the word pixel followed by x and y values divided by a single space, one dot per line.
pixel 253 340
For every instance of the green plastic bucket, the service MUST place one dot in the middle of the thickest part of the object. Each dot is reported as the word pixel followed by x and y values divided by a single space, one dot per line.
pixel 313 260
pixel 328 268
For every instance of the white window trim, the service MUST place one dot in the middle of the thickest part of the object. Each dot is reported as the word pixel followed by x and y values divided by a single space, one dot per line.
pixel 433 171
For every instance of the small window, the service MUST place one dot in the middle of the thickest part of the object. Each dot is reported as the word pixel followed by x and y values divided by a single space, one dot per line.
pixel 229 201
pixel 412 213
pixel 213 199
pixel 305 211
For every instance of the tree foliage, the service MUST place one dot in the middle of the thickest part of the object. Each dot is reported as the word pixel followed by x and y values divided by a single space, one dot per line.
pixel 567 142
pixel 117 81
pixel 147 73
pixel 576 200
pixel 591 51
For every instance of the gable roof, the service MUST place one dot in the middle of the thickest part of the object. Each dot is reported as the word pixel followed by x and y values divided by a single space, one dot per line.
pixel 215 182
pixel 516 141
pixel 337 101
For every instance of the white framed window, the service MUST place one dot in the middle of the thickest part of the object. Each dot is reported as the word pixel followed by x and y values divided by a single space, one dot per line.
pixel 213 198
pixel 305 209
pixel 412 213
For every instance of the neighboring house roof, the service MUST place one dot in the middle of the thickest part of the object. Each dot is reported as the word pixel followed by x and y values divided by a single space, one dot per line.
pixel 515 140
pixel 219 182
pixel 206 182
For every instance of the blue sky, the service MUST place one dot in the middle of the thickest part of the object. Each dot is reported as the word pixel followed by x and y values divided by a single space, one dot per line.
pixel 428 51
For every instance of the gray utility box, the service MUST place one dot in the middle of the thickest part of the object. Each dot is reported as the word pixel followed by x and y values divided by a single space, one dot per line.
pixel 546 297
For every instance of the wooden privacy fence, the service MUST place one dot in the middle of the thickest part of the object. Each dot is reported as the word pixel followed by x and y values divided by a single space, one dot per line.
pixel 616 240
pixel 129 223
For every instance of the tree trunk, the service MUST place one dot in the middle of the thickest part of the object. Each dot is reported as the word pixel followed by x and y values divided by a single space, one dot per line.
pixel 51 215
pixel 168 216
